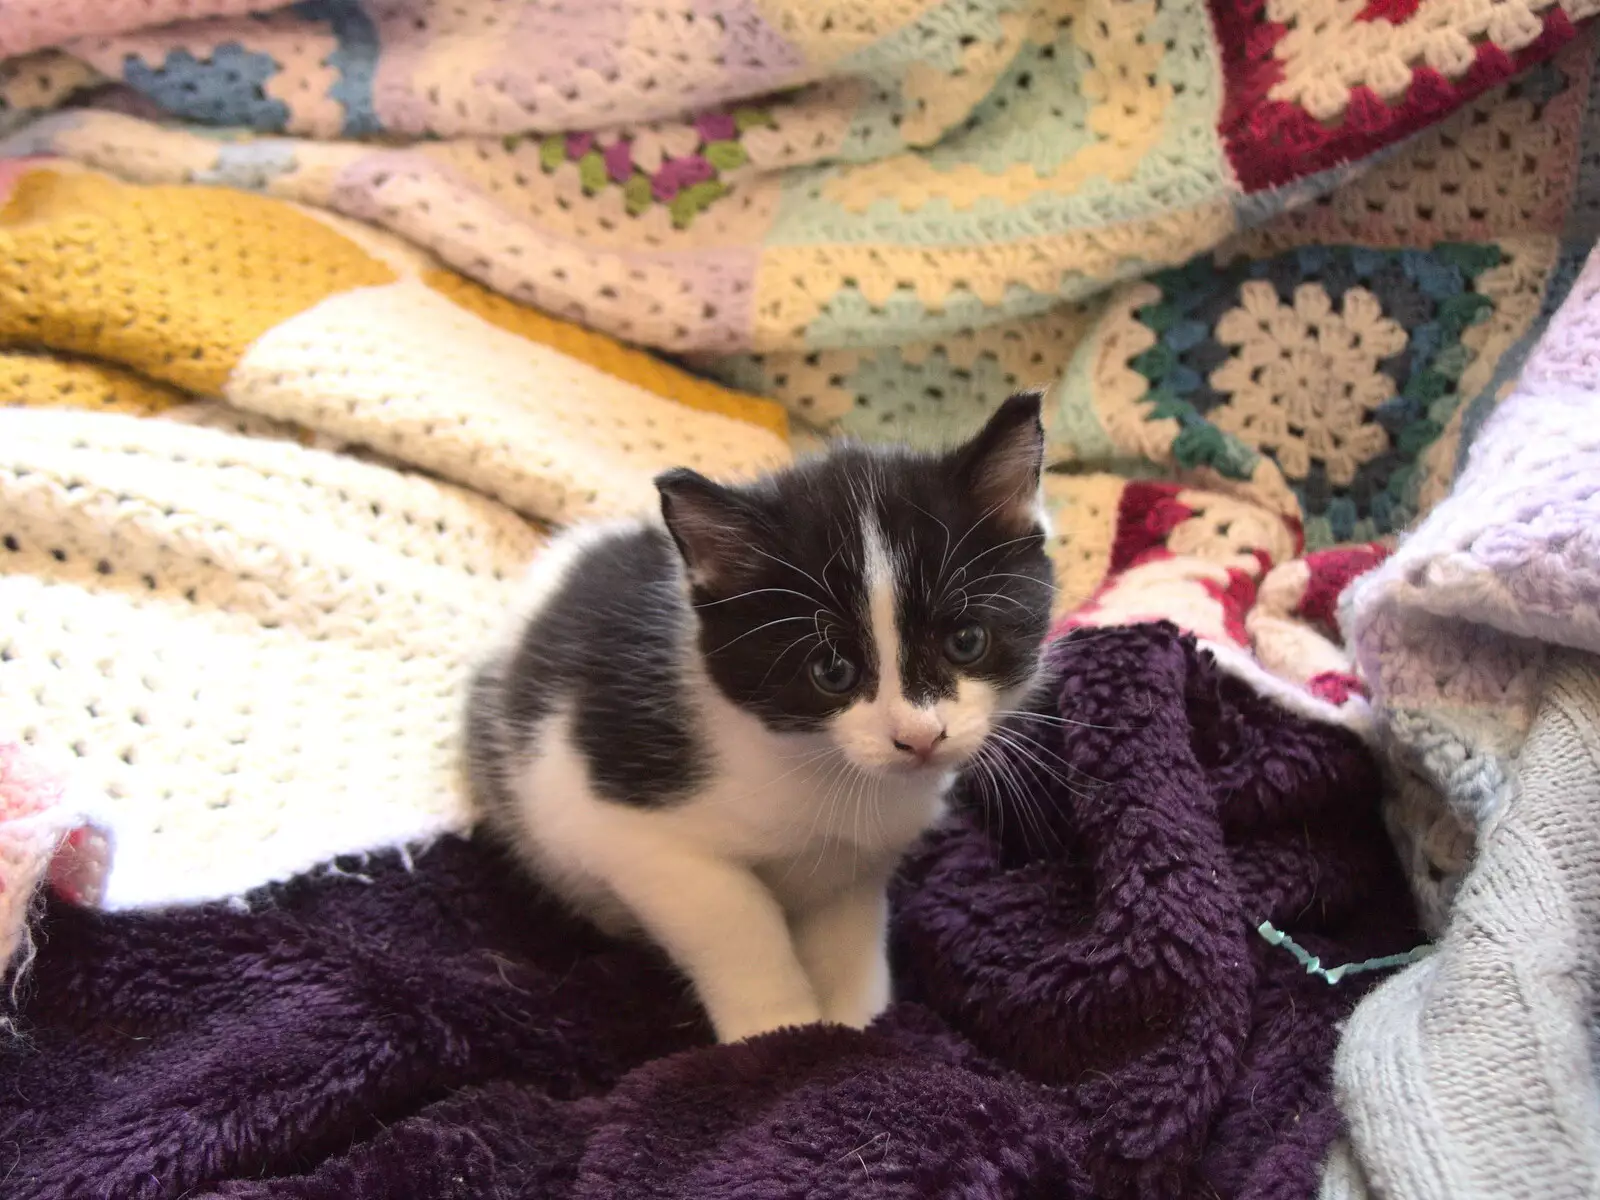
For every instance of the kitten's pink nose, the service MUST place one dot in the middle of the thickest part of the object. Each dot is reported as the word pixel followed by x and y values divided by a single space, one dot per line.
pixel 920 742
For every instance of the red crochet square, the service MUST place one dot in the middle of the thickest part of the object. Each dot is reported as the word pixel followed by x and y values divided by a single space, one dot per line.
pixel 1275 142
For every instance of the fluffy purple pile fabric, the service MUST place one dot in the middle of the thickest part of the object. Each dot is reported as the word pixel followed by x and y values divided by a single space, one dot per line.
pixel 1085 1009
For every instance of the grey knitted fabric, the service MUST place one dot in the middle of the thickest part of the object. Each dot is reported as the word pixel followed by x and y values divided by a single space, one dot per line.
pixel 1472 1074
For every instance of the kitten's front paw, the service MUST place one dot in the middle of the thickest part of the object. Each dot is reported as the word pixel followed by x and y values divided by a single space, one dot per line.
pixel 860 1007
pixel 735 1027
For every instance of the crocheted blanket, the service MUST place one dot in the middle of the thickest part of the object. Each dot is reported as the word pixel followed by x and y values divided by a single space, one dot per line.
pixel 1085 1011
pixel 890 213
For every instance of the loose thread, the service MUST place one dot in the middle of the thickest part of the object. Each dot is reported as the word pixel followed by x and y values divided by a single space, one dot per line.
pixel 1313 964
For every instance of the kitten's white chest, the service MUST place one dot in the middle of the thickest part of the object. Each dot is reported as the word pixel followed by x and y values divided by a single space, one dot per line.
pixel 788 807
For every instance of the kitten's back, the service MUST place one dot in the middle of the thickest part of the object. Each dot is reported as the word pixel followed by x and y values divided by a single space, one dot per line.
pixel 602 636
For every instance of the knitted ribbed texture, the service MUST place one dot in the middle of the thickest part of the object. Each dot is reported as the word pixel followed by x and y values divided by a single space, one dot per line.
pixel 1473 1073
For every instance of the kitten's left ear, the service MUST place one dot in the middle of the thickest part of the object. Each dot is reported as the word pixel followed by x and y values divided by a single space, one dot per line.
pixel 1000 467
pixel 715 527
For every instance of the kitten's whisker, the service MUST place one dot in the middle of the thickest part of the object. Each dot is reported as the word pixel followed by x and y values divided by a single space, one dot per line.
pixel 1033 716
pixel 1012 790
pixel 813 758
pixel 823 631
pixel 800 641
pixel 837 550
pixel 987 513
pixel 811 752
pixel 1014 575
pixel 1011 731
pixel 984 608
pixel 855 827
pixel 1028 805
pixel 816 814
pixel 1027 537
pixel 859 798
pixel 989 793
pixel 751 632
pixel 1070 640
pixel 1035 761
pixel 834 795
pixel 1011 600
pixel 783 562
pixel 945 560
pixel 1076 770
pixel 766 591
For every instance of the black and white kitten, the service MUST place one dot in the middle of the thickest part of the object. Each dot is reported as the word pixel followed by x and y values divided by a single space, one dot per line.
pixel 725 727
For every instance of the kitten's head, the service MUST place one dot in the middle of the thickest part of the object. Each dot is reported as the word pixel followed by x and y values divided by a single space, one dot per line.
pixel 894 600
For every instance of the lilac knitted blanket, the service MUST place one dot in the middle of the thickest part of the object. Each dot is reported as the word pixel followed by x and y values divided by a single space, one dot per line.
pixel 1084 1008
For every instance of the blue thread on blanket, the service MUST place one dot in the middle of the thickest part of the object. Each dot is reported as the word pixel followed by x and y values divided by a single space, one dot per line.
pixel 1313 964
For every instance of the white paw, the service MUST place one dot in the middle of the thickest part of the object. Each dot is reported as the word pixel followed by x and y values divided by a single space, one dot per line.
pixel 861 1008
pixel 736 1026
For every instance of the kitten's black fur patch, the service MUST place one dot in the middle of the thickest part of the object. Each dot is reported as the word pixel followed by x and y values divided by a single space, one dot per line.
pixel 608 644
pixel 777 569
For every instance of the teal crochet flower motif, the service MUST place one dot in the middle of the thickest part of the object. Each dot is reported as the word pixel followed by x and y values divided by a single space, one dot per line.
pixel 687 185
pixel 1340 363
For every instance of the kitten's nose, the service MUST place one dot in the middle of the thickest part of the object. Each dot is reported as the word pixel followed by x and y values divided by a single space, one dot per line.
pixel 920 742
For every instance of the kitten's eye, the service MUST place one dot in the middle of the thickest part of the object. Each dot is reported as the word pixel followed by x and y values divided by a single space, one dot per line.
pixel 833 673
pixel 967 644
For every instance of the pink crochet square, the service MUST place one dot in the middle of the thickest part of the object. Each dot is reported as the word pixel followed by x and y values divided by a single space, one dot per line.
pixel 41 839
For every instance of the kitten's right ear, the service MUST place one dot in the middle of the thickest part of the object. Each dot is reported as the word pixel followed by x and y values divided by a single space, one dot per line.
pixel 1001 465
pixel 715 528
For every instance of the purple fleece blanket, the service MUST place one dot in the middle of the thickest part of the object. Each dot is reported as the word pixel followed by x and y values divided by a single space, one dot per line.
pixel 1085 1008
